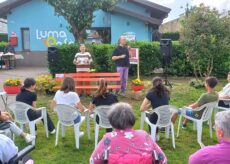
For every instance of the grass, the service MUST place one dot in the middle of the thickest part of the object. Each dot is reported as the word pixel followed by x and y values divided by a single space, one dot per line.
pixel 182 94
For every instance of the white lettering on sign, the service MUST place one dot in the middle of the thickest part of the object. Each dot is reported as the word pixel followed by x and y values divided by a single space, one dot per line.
pixel 52 38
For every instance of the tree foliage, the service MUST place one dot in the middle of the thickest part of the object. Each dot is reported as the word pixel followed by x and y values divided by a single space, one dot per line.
pixel 79 13
pixel 205 36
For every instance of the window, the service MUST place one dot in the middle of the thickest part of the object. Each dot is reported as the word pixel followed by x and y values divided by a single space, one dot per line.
pixel 25 39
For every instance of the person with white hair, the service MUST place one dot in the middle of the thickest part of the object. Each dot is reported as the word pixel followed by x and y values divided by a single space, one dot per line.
pixel 126 145
pixel 218 153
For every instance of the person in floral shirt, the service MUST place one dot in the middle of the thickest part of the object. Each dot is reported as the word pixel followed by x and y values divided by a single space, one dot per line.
pixel 125 144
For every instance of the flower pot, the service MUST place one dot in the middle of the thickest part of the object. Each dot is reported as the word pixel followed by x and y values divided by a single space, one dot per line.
pixel 12 89
pixel 137 87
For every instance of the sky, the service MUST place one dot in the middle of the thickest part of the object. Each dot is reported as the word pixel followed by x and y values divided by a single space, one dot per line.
pixel 178 6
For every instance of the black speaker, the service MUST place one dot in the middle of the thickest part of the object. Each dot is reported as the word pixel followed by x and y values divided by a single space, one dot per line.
pixel 166 51
pixel 52 54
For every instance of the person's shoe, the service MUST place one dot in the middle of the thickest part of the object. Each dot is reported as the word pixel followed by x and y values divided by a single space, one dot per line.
pixel 122 94
pixel 53 131
pixel 183 126
pixel 81 134
pixel 29 138
pixel 162 129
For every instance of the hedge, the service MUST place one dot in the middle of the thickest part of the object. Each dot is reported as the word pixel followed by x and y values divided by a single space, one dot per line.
pixel 150 58
pixel 3 37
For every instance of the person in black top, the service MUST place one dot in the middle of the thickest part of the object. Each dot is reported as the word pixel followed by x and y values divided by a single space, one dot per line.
pixel 28 96
pixel 157 96
pixel 102 97
pixel 121 57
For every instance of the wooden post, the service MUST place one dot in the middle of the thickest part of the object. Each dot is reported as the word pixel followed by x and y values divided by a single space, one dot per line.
pixel 138 64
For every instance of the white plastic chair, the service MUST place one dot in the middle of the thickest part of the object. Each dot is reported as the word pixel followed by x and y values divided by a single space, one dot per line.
pixel 66 116
pixel 101 112
pixel 206 116
pixel 164 114
pixel 227 102
pixel 20 109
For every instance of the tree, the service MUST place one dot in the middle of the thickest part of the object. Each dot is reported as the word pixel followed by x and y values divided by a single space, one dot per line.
pixel 205 37
pixel 79 13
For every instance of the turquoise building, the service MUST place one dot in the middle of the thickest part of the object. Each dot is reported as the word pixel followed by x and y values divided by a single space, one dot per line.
pixel 37 27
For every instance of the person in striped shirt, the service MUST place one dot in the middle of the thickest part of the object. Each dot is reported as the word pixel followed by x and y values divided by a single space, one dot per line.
pixel 83 61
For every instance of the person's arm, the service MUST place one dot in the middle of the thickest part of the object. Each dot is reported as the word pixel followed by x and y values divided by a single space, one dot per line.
pixel 53 104
pixel 5 116
pixel 145 105
pixel 34 104
pixel 118 57
pixel 224 97
pixel 91 106
pixel 80 106
pixel 194 105
pixel 97 155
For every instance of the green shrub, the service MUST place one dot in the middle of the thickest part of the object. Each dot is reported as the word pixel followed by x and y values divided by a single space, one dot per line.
pixel 171 35
pixel 150 58
pixel 3 37
pixel 196 83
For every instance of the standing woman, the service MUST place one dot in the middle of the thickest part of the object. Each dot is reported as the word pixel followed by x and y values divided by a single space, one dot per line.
pixel 102 97
pixel 157 96
pixel 28 96
pixel 67 95
pixel 83 61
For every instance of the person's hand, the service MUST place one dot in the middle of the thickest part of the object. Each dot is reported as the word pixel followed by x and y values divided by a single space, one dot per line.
pixel 5 116
pixel 122 56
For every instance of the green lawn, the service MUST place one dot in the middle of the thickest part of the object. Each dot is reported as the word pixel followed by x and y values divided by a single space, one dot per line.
pixel 65 152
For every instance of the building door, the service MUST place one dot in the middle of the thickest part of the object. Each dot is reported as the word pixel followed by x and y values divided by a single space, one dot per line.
pixel 25 39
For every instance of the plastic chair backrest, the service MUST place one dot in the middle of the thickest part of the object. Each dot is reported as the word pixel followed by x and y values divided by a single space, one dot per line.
pixel 207 113
pixel 19 110
pixel 66 114
pixel 164 113
pixel 102 112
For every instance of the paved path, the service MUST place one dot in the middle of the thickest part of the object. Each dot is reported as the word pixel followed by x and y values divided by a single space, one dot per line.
pixel 21 73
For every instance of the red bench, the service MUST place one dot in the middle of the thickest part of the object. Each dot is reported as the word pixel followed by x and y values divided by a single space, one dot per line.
pixel 93 78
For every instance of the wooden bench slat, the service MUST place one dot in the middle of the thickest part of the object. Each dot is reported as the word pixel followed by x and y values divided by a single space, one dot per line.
pixel 92 87
pixel 92 74
pixel 92 79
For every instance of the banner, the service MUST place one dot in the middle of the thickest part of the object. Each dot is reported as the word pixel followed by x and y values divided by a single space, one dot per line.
pixel 133 55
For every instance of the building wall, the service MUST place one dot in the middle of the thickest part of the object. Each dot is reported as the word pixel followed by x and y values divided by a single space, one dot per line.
pixel 3 26
pixel 39 18
pixel 121 24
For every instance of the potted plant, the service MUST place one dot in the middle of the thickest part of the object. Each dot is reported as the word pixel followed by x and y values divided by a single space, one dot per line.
pixel 12 86
pixel 45 84
pixel 137 85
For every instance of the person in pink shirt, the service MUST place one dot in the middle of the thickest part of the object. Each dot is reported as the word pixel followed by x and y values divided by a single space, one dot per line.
pixel 218 153
pixel 125 143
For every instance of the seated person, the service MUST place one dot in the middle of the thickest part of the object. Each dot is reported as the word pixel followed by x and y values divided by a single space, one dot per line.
pixel 157 96
pixel 6 122
pixel 67 95
pixel 102 97
pixel 125 143
pixel 28 96
pixel 9 49
pixel 225 94
pixel 7 149
pixel 209 96
pixel 218 153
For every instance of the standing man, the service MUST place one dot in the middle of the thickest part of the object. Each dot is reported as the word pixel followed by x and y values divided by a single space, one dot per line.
pixel 121 58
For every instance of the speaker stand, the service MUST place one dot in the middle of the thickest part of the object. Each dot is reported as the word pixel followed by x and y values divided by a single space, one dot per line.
pixel 167 82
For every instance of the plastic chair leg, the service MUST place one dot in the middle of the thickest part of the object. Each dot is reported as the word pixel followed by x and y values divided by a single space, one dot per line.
pixel 96 134
pixel 63 130
pixel 153 132
pixel 77 135
pixel 199 132
pixel 167 129
pixel 58 127
pixel 179 124
pixel 210 127
pixel 88 125
pixel 142 120
pixel 173 136
pixel 44 115
pixel 32 130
